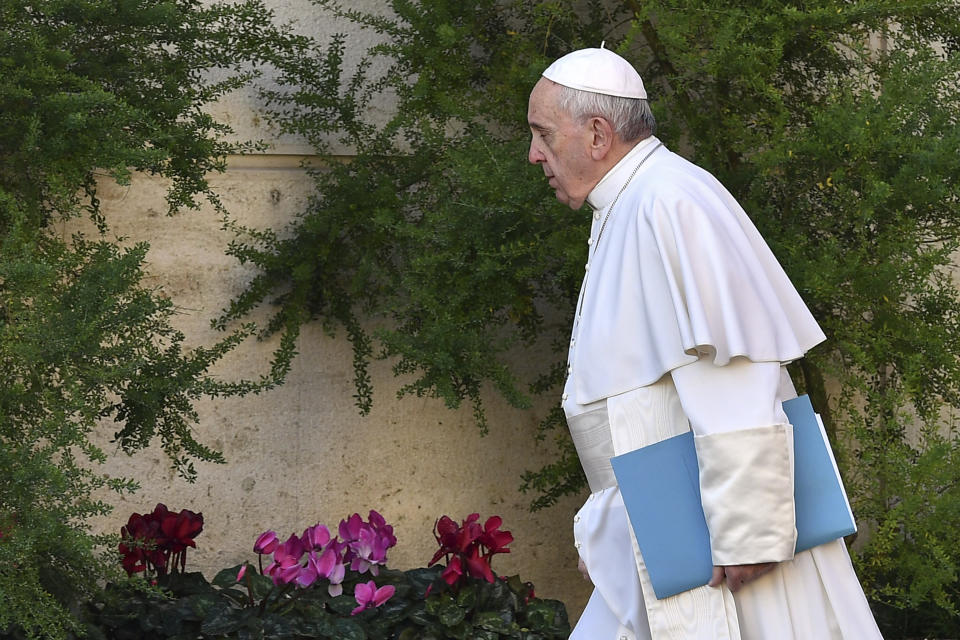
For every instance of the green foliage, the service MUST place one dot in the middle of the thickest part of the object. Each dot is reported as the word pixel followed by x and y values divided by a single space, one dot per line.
pixel 190 607
pixel 833 122
pixel 94 89
pixel 437 229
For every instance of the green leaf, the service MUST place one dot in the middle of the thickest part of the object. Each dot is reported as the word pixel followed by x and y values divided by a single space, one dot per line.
pixel 223 619
pixel 494 621
pixel 343 604
pixel 227 578
pixel 185 584
pixel 467 598
pixel 450 614
pixel 548 617
pixel 345 629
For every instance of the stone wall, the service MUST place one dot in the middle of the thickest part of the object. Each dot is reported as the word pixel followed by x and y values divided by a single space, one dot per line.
pixel 301 454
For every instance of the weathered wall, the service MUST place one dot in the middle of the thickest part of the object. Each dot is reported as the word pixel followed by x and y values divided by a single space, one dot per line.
pixel 301 453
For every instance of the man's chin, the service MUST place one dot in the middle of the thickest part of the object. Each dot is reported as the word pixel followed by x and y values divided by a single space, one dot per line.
pixel 567 200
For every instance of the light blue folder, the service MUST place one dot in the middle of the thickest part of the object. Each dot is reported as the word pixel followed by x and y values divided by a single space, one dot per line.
pixel 660 485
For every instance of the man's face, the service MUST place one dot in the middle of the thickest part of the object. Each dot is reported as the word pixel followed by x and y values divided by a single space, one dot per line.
pixel 561 146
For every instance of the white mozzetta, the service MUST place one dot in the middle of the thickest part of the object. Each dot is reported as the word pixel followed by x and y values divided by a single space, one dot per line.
pixel 680 270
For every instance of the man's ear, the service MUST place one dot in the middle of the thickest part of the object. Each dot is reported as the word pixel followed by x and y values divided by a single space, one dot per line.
pixel 602 137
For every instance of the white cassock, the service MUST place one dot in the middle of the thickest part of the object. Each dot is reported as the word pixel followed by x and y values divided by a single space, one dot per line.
pixel 685 321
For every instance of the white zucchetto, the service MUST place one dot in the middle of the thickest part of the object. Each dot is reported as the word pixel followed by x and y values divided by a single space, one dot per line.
pixel 597 71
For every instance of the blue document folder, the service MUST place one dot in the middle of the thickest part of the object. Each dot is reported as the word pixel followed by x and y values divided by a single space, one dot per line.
pixel 660 485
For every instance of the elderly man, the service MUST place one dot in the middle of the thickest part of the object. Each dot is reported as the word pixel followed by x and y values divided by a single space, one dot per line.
pixel 685 321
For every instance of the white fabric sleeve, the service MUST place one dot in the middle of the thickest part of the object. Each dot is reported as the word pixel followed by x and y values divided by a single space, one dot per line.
pixel 745 452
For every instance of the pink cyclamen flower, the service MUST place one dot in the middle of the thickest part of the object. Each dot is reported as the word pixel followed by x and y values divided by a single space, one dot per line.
pixel 349 529
pixel 366 542
pixel 338 570
pixel 266 543
pixel 308 574
pixel 384 530
pixel 242 572
pixel 368 595
pixel 315 537
pixel 368 551
pixel 286 561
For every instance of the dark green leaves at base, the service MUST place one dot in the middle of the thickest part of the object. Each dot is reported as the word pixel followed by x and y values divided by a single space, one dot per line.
pixel 186 606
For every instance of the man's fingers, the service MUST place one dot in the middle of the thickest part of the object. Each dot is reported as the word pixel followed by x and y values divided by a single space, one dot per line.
pixel 717 578
pixel 735 582
pixel 739 575
pixel 583 569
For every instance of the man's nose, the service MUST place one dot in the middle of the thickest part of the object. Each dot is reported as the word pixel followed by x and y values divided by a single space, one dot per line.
pixel 535 156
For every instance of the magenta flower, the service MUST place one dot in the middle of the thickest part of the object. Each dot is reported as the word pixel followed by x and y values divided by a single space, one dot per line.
pixel 266 543
pixel 349 529
pixel 317 555
pixel 384 531
pixel 286 561
pixel 242 572
pixel 291 550
pixel 315 537
pixel 367 552
pixel 334 567
pixel 308 574
pixel 368 595
pixel 367 542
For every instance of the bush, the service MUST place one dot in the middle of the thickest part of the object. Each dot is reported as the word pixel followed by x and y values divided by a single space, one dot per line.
pixel 95 89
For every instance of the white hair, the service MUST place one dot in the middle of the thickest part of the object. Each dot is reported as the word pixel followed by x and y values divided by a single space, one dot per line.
pixel 630 118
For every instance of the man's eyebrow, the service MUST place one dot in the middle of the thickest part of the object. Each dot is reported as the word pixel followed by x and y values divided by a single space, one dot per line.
pixel 539 127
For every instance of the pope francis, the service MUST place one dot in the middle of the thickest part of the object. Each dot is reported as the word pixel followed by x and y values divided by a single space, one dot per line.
pixel 685 322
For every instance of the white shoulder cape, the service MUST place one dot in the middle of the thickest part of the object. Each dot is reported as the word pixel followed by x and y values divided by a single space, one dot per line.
pixel 680 271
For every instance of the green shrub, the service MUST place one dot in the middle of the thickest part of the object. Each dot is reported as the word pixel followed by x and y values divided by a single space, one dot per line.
pixel 95 89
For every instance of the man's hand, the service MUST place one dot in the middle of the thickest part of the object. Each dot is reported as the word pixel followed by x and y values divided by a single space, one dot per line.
pixel 583 569
pixel 739 575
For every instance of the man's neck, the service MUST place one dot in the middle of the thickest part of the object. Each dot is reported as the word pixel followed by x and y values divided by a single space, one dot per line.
pixel 602 193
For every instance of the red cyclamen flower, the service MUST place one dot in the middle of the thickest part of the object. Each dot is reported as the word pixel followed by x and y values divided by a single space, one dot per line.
pixel 158 541
pixel 469 546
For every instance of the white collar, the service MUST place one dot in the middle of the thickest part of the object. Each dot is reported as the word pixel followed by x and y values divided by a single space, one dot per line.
pixel 609 186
